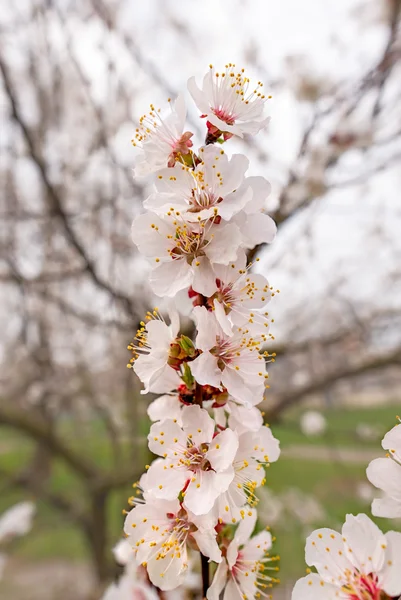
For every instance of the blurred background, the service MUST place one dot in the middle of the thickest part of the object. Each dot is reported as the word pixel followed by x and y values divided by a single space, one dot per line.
pixel 75 77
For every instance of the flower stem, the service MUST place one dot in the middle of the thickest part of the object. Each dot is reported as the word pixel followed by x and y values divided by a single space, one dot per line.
pixel 199 395
pixel 205 575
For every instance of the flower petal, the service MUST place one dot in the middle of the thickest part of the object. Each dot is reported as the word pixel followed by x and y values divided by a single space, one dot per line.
pixel 390 575
pixel 170 277
pixel 165 482
pixel 222 450
pixel 207 544
pixel 224 244
pixel 165 407
pixel 207 327
pixel 365 543
pixel 166 436
pixel 325 550
pixel 204 277
pixel 205 370
pixel 219 582
pixel 257 229
pixel 197 424
pixel 312 587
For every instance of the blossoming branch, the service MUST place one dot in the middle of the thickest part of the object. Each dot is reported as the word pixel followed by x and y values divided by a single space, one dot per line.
pixel 202 217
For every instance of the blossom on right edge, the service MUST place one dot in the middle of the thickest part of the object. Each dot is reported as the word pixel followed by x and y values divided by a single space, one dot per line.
pixel 385 474
pixel 361 562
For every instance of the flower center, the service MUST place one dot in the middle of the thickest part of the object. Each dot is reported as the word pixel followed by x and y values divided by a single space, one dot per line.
pixel 224 115
pixel 189 244
pixel 362 587
pixel 194 458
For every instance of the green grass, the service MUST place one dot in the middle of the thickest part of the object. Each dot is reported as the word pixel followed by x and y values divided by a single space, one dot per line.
pixel 334 485
pixel 341 429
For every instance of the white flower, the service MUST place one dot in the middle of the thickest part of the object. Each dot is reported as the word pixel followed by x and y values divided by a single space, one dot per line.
pixel 361 562
pixel 242 574
pixel 215 184
pixel 151 352
pixel 184 253
pixel 313 423
pixel 238 417
pixel 129 587
pixel 162 140
pixel 16 521
pixel 232 361
pixel 196 462
pixel 256 228
pixel 385 474
pixel 255 451
pixel 159 531
pixel 229 102
pixel 165 407
pixel 123 553
pixel 239 297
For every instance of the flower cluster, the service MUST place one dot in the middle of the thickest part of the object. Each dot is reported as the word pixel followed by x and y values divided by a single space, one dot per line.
pixel 211 445
pixel 361 563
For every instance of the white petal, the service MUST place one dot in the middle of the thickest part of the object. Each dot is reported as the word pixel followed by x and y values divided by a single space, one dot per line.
pixel 166 436
pixel 159 335
pixel 169 572
pixel 220 418
pixel 160 203
pixel 165 482
pixel 392 440
pixel 198 96
pixel 123 552
pixel 222 450
pixel 165 407
pixel 257 546
pixel 200 500
pixel 232 553
pixel 223 126
pixel 155 374
pixel 257 229
pixel 233 173
pixel 207 326
pixel 181 109
pixel 229 273
pixel 224 245
pixel 246 527
pixel 364 543
pixel 386 507
pixel 222 318
pixel 150 241
pixel 197 423
pixel 325 550
pixel 243 419
pixel 391 573
pixel 205 370
pixel 239 390
pixel 219 582
pixel 207 544
pixel 312 587
pixel 170 277
pixel 261 189
pixel 385 474
pixel 268 447
pixel 204 278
